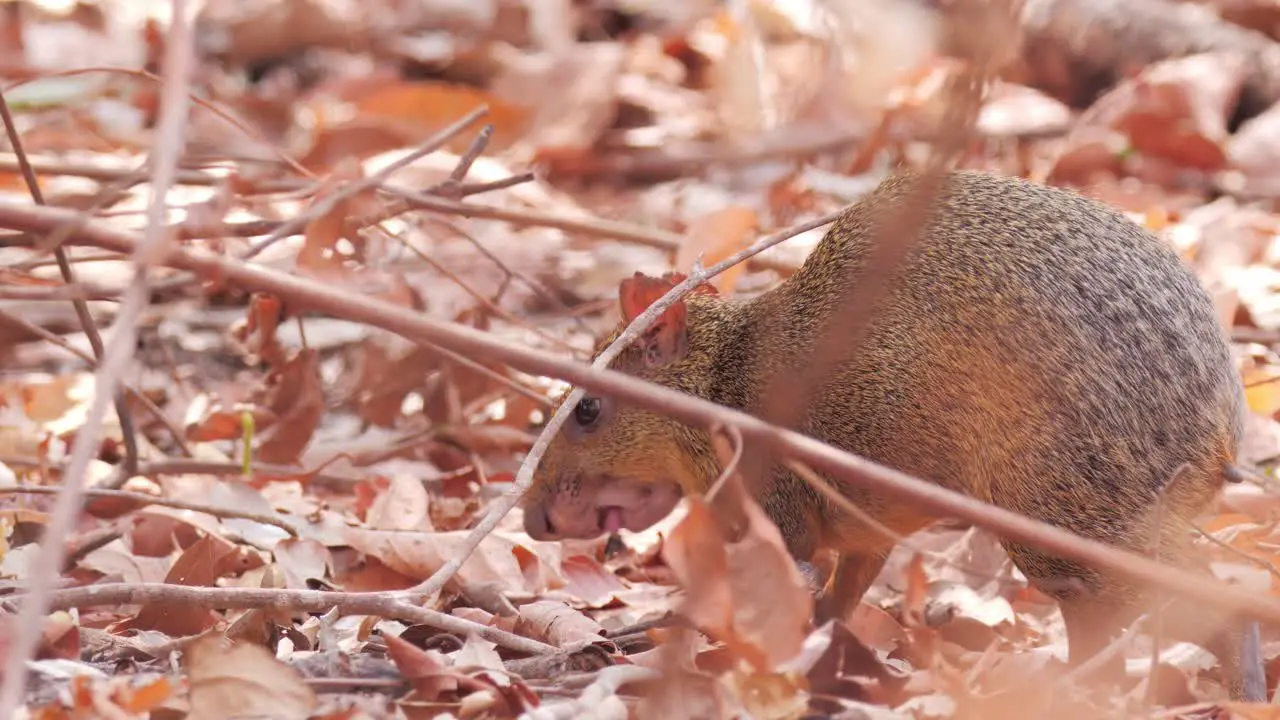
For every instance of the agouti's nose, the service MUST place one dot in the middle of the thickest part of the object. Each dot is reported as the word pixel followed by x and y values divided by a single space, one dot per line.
pixel 536 523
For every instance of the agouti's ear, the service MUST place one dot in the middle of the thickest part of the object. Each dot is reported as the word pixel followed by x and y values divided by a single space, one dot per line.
pixel 666 338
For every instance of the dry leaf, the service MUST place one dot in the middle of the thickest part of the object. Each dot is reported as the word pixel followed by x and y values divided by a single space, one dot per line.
pixel 297 399
pixel 716 236
pixel 241 680
pixel 750 594
pixel 556 623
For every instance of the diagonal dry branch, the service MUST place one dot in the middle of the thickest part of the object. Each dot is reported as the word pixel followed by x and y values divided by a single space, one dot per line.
pixel 836 463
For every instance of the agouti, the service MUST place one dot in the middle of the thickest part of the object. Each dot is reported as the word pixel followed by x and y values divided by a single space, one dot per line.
pixel 1036 350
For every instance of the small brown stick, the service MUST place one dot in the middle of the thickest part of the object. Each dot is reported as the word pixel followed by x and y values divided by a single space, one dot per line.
pixel 688 409
pixel 144 499
pixel 490 305
pixel 52 166
pixel 468 159
pixel 731 467
pixel 112 360
pixel 33 264
pixel 89 542
pixel 1106 654
pixel 58 293
pixel 1260 562
pixel 606 229
pixel 81 307
pixel 538 288
pixel 104 197
pixel 137 394
pixel 191 97
pixel 326 203
pixel 394 604
pixel 469 189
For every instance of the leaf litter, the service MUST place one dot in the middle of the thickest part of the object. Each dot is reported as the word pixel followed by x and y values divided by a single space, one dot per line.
pixel 623 137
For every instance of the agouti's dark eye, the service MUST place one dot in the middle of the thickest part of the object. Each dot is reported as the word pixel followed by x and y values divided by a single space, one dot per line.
pixel 587 411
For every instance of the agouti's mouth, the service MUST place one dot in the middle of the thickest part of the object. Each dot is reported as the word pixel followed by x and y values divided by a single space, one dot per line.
pixel 610 519
pixel 602 507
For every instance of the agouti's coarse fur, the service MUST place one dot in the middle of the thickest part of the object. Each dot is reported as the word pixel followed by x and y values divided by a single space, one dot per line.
pixel 1036 350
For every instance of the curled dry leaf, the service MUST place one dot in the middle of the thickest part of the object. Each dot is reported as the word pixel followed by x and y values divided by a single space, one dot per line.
pixel 427 670
pixel 589 582
pixel 556 623
pixel 260 324
pixel 403 505
pixel 296 397
pixel 242 680
pixel 749 594
pixel 301 561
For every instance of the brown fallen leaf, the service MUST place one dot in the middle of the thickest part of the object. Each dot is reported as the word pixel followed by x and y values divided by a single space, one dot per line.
pixel 200 565
pixel 1178 109
pixel 427 670
pixel 296 397
pixel 390 113
pixel 715 236
pixel 748 594
pixel 556 623
pixel 242 680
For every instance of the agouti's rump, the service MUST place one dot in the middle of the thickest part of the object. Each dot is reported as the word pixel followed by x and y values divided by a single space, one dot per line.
pixel 1035 350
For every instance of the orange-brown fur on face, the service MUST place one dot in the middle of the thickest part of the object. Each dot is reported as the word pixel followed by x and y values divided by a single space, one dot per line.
pixel 1036 350
pixel 621 448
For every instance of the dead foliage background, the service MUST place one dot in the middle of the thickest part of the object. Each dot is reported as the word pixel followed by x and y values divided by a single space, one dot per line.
pixel 258 506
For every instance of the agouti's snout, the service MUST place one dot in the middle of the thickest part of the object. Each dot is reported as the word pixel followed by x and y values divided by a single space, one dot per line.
pixel 586 507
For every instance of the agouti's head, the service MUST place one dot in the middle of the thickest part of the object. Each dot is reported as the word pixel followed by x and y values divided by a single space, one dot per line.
pixel 616 465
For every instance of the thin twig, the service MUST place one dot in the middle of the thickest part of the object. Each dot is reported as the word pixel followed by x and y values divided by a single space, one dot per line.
pixel 591 227
pixel 683 407
pixel 58 293
pixel 469 189
pixel 538 288
pixel 112 362
pixel 474 150
pixel 127 430
pixel 144 499
pixel 325 204
pixel 1105 655
pixel 137 394
pixel 223 115
pixel 1260 562
pixel 391 604
pixel 731 467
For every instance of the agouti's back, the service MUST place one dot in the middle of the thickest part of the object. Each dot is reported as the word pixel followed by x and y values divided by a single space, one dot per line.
pixel 1035 343
pixel 1035 350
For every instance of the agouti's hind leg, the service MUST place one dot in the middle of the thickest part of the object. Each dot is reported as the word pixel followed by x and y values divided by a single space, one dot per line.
pixel 1096 613
pixel 854 573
